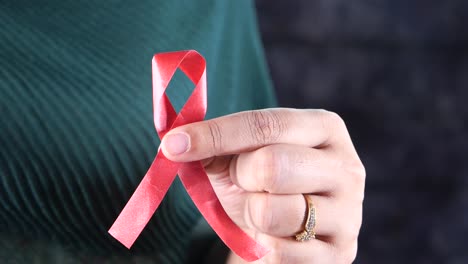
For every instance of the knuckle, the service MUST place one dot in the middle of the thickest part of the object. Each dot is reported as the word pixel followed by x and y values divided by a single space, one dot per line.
pixel 331 122
pixel 350 236
pixel 260 212
pixel 349 255
pixel 347 232
pixel 357 225
pixel 359 170
pixel 265 126
pixel 357 178
pixel 344 253
pixel 333 119
pixel 269 169
pixel 353 233
pixel 215 137
pixel 329 119
pixel 353 252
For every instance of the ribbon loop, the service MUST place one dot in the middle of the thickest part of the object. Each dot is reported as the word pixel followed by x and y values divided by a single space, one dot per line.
pixel 164 66
pixel 152 189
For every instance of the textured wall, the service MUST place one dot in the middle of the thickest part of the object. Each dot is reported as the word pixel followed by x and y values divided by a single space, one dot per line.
pixel 397 71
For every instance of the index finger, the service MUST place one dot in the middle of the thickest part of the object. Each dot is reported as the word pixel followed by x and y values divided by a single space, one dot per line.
pixel 250 130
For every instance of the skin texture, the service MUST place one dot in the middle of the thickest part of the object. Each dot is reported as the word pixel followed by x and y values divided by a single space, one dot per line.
pixel 261 162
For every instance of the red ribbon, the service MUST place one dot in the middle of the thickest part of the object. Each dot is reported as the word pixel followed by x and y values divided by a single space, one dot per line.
pixel 149 194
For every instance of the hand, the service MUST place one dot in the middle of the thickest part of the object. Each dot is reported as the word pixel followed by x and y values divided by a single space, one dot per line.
pixel 260 164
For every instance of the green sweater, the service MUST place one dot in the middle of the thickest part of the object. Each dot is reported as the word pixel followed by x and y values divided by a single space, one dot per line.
pixel 77 132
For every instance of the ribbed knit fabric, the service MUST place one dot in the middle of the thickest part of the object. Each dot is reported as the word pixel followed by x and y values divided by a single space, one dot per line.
pixel 76 131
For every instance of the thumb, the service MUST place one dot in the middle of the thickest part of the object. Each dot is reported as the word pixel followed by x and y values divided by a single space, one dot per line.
pixel 175 144
pixel 192 142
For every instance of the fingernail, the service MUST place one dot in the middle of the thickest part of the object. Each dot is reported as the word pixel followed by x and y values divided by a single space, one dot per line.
pixel 176 144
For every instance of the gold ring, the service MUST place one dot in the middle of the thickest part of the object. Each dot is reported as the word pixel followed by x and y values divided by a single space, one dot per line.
pixel 308 233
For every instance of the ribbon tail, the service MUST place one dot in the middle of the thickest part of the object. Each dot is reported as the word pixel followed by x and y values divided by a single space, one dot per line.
pixel 198 186
pixel 144 201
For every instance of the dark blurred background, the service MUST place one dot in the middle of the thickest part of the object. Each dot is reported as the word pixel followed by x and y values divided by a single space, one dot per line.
pixel 397 72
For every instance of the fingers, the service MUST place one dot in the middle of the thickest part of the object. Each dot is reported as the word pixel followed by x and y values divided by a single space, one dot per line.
pixel 284 216
pixel 281 153
pixel 287 169
pixel 275 215
pixel 251 130
pixel 275 219
pixel 290 251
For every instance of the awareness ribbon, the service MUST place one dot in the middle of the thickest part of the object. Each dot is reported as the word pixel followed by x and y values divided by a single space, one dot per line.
pixel 151 190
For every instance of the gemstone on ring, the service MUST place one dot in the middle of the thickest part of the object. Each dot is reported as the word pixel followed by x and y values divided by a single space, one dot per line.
pixel 308 233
